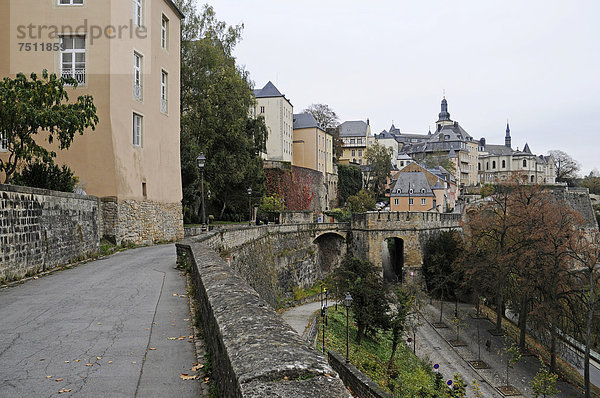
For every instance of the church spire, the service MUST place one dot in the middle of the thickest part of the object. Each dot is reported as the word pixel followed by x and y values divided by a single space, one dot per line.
pixel 507 139
pixel 444 115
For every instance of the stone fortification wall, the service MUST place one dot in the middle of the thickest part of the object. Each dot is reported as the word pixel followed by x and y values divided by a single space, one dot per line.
pixel 579 200
pixel 390 220
pixel 41 229
pixel 254 353
pixel 276 259
pixel 360 385
pixel 132 221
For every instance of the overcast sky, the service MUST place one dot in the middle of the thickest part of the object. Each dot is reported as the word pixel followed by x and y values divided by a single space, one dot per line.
pixel 535 63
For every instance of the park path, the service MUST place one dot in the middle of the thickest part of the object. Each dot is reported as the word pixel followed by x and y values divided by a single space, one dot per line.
pixel 116 327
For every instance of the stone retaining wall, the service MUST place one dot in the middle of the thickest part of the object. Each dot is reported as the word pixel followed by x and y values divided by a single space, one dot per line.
pixel 41 229
pixel 254 353
pixel 360 385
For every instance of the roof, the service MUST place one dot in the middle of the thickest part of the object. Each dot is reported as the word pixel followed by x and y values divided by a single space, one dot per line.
pixel 455 131
pixel 268 91
pixel 499 150
pixel 305 121
pixel 384 135
pixel 403 156
pixel 417 181
pixel 176 9
pixel 353 128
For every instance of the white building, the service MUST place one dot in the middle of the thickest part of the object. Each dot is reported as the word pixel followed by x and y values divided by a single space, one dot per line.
pixel 279 119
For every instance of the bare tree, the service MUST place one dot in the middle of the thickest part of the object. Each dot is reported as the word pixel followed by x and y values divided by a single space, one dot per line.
pixel 565 166
pixel 324 115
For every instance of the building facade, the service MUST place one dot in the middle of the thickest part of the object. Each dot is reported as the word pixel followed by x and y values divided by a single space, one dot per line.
pixel 355 140
pixel 313 146
pixel 128 59
pixel 279 119
pixel 411 192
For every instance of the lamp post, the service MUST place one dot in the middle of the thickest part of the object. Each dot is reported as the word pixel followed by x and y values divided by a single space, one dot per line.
pixel 201 160
pixel 347 304
pixel 250 205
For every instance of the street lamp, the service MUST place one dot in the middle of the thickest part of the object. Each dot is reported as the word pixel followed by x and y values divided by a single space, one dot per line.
pixel 201 160
pixel 347 304
pixel 250 205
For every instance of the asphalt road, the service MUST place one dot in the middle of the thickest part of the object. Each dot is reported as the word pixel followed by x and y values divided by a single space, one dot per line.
pixel 117 327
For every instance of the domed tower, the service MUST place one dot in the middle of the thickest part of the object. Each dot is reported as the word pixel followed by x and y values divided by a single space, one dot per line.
pixel 444 116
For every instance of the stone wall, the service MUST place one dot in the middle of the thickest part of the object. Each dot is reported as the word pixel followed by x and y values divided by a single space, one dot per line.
pixel 360 385
pixel 254 353
pixel 41 229
pixel 137 222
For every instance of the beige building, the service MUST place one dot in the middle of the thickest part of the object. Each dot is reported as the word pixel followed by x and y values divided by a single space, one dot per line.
pixel 313 146
pixel 500 163
pixel 128 58
pixel 355 137
pixel 279 119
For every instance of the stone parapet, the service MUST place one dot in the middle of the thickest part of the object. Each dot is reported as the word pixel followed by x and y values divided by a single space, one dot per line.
pixel 254 353
pixel 360 385
pixel 42 229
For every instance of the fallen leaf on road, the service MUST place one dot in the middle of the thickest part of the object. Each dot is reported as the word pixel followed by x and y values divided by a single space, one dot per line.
pixel 172 338
pixel 59 379
pixel 64 390
pixel 48 377
pixel 89 364
pixel 185 376
pixel 152 348
pixel 98 357
pixel 99 323
pixel 133 362
pixel 191 336
pixel 42 359
pixel 109 361
pixel 77 360
pixel 66 361
pixel 197 367
pixel 187 319
pixel 181 338
pixel 175 295
pixel 36 277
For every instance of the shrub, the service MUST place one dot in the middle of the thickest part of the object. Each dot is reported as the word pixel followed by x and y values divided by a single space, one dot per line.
pixel 47 176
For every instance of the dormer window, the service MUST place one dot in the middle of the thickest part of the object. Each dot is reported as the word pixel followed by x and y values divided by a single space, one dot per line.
pixel 411 191
pixel 422 190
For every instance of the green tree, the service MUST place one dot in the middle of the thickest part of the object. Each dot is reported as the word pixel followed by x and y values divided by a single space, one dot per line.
pixel 349 182
pixel 544 384
pixel 370 306
pixel 215 97
pixel 439 159
pixel 33 108
pixel 512 355
pixel 379 161
pixel 46 176
pixel 487 190
pixel 591 182
pixel 401 304
pixel 458 387
pixel 361 202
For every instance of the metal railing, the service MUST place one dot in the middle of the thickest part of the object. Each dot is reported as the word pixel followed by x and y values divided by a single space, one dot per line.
pixel 76 73
pixel 138 91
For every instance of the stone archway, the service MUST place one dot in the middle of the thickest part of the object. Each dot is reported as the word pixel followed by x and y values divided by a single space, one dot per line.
pixel 331 249
pixel 392 259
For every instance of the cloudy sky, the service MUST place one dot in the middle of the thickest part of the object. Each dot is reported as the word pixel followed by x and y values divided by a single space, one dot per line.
pixel 535 63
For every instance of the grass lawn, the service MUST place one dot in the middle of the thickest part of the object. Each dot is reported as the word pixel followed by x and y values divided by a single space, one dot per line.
pixel 409 376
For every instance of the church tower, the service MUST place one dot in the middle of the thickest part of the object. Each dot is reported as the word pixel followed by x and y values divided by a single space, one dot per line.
pixel 444 116
pixel 507 140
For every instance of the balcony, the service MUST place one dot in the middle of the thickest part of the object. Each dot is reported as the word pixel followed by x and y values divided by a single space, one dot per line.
pixel 77 73
pixel 138 92
pixel 164 105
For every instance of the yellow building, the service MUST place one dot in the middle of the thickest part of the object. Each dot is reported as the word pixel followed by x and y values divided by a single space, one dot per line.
pixel 412 192
pixel 128 59
pixel 313 146
pixel 355 137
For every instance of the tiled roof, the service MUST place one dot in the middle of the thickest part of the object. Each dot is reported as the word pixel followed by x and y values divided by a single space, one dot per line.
pixel 305 121
pixel 269 90
pixel 354 128
pixel 417 181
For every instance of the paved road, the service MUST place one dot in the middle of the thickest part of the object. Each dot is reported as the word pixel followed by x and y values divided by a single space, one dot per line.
pixel 298 317
pixel 105 328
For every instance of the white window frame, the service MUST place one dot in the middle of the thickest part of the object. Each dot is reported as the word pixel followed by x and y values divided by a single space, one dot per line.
pixel 164 91
pixel 138 64
pixel 3 142
pixel 164 32
pixel 423 202
pixel 78 74
pixel 411 201
pixel 138 13
pixel 396 201
pixel 137 129
pixel 70 2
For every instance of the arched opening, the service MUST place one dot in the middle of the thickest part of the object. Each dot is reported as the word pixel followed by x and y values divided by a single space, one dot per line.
pixel 392 259
pixel 331 249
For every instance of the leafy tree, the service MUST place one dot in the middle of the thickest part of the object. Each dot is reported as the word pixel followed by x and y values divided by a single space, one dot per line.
pixel 458 387
pixel 405 304
pixel 370 306
pixel 215 97
pixel 47 176
pixel 379 160
pixel 33 107
pixel 591 182
pixel 439 255
pixel 440 159
pixel 565 166
pixel 487 190
pixel 476 387
pixel 544 384
pixel 349 181
pixel 512 355
pixel 362 202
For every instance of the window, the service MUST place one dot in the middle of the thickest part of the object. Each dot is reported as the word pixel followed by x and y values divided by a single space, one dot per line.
pixel 144 192
pixel 524 163
pixel 504 164
pixel 137 13
pixel 411 201
pixel 423 202
pixel 360 152
pixel 411 190
pixel 353 152
pixel 352 140
pixel 487 165
pixel 70 2
pixel 494 164
pixel 164 32
pixel 532 179
pixel 396 201
pixel 163 91
pixel 479 166
pixel 137 76
pixel 72 58
pixel 3 142
pixel 137 130
pixel 422 190
pixel 262 109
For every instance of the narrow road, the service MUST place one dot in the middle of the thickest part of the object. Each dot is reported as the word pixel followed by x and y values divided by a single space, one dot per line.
pixel 117 327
